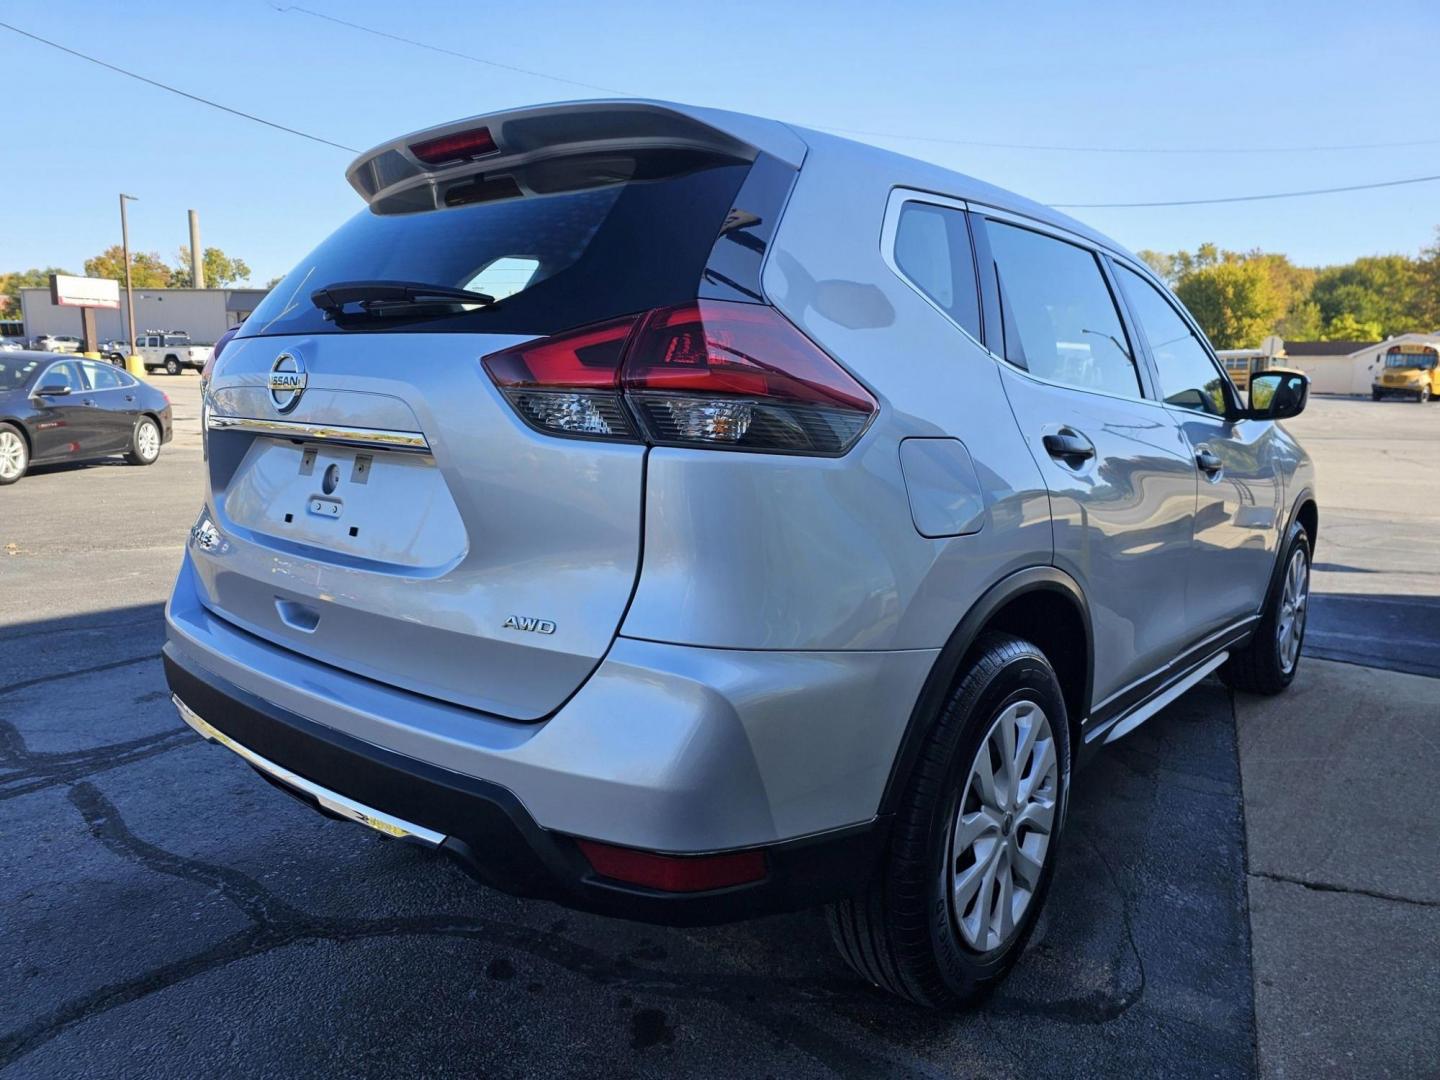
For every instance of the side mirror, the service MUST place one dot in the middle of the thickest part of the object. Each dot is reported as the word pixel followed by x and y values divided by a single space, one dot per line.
pixel 1278 395
pixel 53 390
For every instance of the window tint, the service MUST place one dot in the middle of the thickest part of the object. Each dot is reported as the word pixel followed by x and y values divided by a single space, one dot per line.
pixel 1059 317
pixel 932 249
pixel 103 377
pixel 619 235
pixel 1188 377
pixel 67 373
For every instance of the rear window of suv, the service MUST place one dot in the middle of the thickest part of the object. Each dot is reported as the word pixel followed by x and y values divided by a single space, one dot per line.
pixel 556 247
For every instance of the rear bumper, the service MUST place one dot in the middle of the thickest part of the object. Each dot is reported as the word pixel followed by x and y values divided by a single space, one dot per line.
pixel 486 828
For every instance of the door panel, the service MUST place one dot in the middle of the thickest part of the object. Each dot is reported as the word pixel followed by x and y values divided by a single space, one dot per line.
pixel 1120 475
pixel 65 426
pixel 1237 512
pixel 115 409
pixel 1122 519
pixel 1237 519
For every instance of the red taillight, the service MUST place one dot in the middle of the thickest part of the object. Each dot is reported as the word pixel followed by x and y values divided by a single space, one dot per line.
pixel 674 873
pixel 712 374
pixel 461 146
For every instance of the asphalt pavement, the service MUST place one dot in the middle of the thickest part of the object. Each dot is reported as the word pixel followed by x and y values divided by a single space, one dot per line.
pixel 165 913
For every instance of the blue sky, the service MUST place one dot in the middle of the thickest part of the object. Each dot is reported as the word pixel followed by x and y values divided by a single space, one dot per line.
pixel 1151 74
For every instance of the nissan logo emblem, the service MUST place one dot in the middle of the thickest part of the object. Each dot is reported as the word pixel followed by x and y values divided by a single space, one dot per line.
pixel 287 381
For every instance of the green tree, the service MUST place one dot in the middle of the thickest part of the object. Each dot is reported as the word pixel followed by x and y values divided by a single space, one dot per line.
pixel 1302 322
pixel 221 270
pixel 1163 263
pixel 1383 290
pixel 1235 302
pixel 1346 327
pixel 1427 287
pixel 11 284
pixel 147 268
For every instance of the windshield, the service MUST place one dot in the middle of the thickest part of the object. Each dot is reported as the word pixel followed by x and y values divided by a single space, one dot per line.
pixel 556 247
pixel 15 373
pixel 1425 359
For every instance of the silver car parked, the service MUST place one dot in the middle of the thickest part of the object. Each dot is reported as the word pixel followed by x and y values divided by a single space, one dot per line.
pixel 685 516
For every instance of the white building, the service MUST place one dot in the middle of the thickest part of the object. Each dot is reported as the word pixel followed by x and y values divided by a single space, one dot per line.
pixel 204 314
pixel 1346 367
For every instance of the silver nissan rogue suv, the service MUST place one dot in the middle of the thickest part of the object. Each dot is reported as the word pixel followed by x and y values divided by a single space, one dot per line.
pixel 685 516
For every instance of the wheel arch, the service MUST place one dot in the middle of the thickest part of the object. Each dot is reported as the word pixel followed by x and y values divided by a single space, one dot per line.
pixel 24 433
pixel 1305 512
pixel 1042 604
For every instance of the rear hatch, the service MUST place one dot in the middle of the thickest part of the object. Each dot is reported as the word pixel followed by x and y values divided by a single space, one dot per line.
pixel 382 507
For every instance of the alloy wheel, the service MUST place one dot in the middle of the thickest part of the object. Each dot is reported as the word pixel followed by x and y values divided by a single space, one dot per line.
pixel 147 440
pixel 12 455
pixel 1001 832
pixel 1290 629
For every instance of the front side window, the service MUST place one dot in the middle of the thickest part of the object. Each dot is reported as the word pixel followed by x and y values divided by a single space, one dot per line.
pixel 1059 318
pixel 932 250
pixel 1188 377
pixel 66 374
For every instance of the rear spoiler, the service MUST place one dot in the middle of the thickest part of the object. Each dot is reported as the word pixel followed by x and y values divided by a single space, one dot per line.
pixel 519 136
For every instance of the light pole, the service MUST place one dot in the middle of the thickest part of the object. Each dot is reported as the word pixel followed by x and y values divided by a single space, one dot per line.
pixel 132 361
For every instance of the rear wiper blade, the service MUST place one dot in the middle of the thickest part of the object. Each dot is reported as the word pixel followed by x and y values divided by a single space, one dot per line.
pixel 379 295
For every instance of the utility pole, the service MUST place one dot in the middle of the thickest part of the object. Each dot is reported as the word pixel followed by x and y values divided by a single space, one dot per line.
pixel 197 264
pixel 133 363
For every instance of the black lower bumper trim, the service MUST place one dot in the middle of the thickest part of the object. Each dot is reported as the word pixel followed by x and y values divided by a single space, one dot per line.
pixel 490 833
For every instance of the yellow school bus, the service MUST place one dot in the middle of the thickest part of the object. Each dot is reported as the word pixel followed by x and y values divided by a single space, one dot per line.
pixel 1410 371
pixel 1240 364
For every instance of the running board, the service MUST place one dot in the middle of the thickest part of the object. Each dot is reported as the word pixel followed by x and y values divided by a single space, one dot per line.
pixel 1128 722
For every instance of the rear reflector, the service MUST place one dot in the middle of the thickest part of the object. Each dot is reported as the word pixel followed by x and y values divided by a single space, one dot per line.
pixel 673 873
pixel 713 374
pixel 461 146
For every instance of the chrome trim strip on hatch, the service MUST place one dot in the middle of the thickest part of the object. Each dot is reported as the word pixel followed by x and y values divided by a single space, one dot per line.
pixel 410 441
pixel 330 800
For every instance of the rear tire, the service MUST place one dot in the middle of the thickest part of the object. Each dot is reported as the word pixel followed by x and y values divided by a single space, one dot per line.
pixel 144 442
pixel 1424 395
pixel 172 366
pixel 1374 395
pixel 14 454
pixel 934 926
pixel 1267 664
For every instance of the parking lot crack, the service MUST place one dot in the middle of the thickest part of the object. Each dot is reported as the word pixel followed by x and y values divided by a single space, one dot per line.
pixel 107 826
pixel 1330 887
pixel 41 680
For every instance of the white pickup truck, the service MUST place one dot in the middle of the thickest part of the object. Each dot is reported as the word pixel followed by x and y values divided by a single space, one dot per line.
pixel 171 351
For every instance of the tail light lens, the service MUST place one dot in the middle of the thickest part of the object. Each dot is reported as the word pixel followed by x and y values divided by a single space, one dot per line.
pixel 674 873
pixel 711 374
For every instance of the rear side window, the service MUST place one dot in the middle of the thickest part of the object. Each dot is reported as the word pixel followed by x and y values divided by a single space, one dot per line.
pixel 1060 320
pixel 1188 377
pixel 103 377
pixel 932 249
pixel 557 247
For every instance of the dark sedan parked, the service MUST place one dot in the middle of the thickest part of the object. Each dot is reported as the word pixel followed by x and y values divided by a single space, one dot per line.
pixel 62 408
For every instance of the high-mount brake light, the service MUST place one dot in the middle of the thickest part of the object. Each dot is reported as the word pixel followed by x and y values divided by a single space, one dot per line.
pixel 460 146
pixel 712 374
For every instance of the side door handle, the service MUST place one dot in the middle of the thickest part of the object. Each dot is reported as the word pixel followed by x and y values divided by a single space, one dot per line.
pixel 88 402
pixel 1068 445
pixel 1208 461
